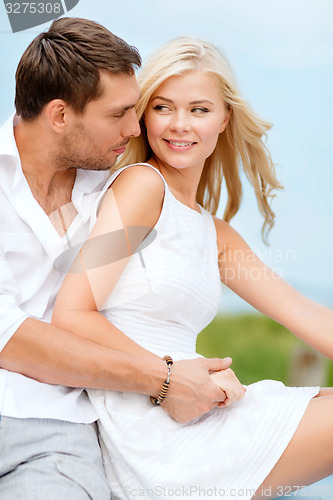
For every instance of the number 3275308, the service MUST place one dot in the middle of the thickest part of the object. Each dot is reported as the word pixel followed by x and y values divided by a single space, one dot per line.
pixel 33 8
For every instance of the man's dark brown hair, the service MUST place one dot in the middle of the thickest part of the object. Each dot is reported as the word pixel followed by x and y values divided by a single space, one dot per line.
pixel 65 63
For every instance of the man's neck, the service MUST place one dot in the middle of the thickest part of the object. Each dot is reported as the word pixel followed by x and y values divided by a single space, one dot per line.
pixel 51 192
pixel 50 186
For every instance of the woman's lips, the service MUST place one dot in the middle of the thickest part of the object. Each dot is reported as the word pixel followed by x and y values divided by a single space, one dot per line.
pixel 177 145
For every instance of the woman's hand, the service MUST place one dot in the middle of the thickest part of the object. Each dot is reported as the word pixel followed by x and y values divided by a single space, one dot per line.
pixel 192 391
pixel 229 384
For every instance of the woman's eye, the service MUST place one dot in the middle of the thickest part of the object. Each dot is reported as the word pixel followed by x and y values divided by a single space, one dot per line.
pixel 200 110
pixel 161 107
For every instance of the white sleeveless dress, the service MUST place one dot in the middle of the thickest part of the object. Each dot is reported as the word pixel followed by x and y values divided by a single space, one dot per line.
pixel 167 294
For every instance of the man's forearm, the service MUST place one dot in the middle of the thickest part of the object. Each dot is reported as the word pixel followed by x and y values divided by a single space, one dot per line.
pixel 51 355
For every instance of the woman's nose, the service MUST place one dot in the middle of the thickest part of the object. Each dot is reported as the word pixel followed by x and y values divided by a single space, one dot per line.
pixel 180 122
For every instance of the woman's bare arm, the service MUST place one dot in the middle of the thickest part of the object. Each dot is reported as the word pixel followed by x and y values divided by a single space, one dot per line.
pixel 134 200
pixel 243 272
pixel 91 281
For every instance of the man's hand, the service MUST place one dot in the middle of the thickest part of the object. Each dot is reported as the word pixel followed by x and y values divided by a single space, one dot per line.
pixel 227 381
pixel 193 391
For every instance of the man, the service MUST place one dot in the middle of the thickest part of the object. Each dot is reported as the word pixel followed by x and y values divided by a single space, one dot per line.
pixel 75 97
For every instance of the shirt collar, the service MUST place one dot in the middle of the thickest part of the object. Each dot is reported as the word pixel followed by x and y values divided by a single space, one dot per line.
pixel 87 181
pixel 8 148
pixel 7 140
pixel 87 187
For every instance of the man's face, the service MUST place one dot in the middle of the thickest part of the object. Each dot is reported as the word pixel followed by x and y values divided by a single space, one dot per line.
pixel 96 137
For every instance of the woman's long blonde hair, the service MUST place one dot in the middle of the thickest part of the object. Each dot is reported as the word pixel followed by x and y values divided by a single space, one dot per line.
pixel 240 144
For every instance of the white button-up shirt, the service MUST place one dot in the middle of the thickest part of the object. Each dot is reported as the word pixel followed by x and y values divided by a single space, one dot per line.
pixel 30 278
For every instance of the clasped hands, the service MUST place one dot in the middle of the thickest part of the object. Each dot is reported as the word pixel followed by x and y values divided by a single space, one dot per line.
pixel 230 386
pixel 200 384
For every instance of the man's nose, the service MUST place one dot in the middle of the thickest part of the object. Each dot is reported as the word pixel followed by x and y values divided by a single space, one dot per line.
pixel 131 127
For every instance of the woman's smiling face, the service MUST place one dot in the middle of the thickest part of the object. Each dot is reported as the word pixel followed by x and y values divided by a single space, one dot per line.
pixel 184 118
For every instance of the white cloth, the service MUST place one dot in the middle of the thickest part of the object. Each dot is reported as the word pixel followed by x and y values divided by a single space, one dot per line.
pixel 29 281
pixel 163 306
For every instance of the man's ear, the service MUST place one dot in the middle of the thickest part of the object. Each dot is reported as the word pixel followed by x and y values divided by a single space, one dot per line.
pixel 226 119
pixel 56 113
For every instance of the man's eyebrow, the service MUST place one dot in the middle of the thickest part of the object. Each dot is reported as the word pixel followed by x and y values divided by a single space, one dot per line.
pixel 121 109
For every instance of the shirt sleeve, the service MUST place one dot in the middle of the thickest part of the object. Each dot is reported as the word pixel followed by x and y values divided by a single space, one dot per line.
pixel 11 315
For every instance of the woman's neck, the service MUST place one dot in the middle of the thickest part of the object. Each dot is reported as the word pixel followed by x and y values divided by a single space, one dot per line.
pixel 183 183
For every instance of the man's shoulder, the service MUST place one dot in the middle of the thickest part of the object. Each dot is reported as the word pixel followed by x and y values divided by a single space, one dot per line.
pixel 8 146
pixel 9 157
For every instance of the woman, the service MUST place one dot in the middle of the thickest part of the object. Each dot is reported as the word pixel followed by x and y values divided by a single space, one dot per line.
pixel 195 129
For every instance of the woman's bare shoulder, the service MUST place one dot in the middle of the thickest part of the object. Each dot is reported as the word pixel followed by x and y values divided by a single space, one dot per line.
pixel 143 175
pixel 138 193
pixel 227 237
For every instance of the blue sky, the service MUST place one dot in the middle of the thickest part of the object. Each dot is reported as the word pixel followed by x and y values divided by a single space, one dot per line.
pixel 282 55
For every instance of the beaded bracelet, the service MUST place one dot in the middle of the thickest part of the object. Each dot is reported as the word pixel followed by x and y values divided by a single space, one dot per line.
pixel 160 398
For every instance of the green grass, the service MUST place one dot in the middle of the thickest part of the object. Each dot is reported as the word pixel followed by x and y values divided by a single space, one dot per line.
pixel 260 347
